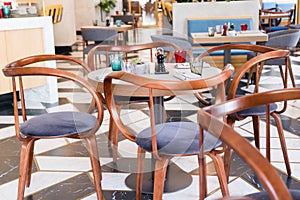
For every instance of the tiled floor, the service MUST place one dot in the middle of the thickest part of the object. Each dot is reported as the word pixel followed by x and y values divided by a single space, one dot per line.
pixel 62 169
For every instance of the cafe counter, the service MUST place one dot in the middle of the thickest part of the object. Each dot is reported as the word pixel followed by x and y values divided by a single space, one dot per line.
pixel 21 37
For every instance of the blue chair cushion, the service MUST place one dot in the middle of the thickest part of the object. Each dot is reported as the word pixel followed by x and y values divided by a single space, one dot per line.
pixel 265 196
pixel 58 124
pixel 257 110
pixel 177 138
pixel 198 51
pixel 276 61
pixel 276 28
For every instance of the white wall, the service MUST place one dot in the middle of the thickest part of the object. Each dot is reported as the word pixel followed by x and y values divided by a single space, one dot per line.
pixel 86 12
pixel 182 11
pixel 64 31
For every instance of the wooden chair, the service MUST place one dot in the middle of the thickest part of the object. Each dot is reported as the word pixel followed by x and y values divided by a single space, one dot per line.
pixel 250 48
pixel 149 7
pixel 276 26
pixel 263 54
pixel 67 124
pixel 108 49
pixel 273 184
pixel 169 7
pixel 285 39
pixel 169 139
pixel 258 111
pixel 92 37
pixel 135 7
pixel 55 11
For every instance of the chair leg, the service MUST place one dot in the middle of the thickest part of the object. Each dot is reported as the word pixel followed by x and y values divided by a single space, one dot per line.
pixel 202 177
pixel 159 177
pixel 219 166
pixel 28 176
pixel 283 77
pixel 258 75
pixel 91 106
pixel 255 121
pixel 268 134
pixel 140 173
pixel 96 168
pixel 228 152
pixel 289 67
pixel 113 135
pixel 252 70
pixel 282 142
pixel 24 162
pixel 227 161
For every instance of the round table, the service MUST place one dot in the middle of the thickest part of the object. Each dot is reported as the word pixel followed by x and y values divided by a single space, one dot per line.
pixel 123 89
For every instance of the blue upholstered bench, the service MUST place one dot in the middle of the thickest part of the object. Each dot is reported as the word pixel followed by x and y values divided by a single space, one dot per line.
pixel 268 5
pixel 202 24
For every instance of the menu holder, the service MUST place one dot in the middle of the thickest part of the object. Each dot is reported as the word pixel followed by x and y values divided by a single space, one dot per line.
pixel 182 65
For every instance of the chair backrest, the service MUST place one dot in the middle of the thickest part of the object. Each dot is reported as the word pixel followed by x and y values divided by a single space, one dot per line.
pixel 156 88
pixel 278 11
pixel 254 62
pixel 264 170
pixel 283 39
pixel 169 10
pixel 124 18
pixel 288 6
pixel 245 48
pixel 31 66
pixel 127 49
pixel 249 47
pixel 135 7
pixel 55 11
pixel 149 7
pixel 98 34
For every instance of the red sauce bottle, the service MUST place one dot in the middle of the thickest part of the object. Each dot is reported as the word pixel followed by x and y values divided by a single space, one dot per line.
pixel 224 29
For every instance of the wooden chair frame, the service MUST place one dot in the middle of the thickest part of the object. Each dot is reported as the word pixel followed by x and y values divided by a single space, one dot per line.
pixel 113 131
pixel 264 170
pixel 254 62
pixel 278 11
pixel 18 69
pixel 258 49
pixel 162 160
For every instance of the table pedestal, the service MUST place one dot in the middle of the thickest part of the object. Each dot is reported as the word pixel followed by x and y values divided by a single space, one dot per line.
pixel 227 56
pixel 176 179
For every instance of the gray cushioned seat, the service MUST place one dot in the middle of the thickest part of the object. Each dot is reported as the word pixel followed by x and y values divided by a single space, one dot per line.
pixel 177 138
pixel 265 196
pixel 58 124
pixel 257 110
